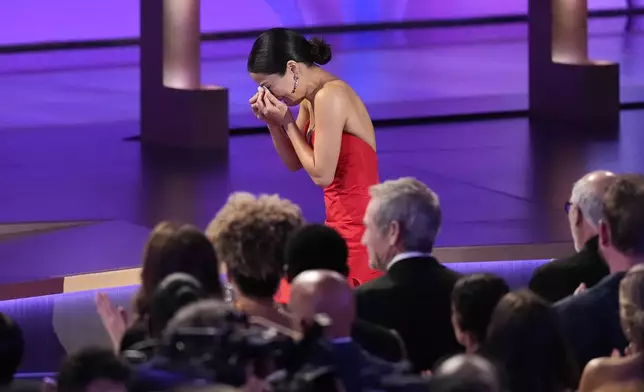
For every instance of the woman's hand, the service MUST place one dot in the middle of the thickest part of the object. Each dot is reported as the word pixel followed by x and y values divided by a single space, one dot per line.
pixel 114 319
pixel 256 104
pixel 271 109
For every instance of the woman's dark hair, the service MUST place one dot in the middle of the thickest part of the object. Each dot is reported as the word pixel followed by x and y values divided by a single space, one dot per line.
pixel 177 247
pixel 474 298
pixel 276 47
pixel 12 347
pixel 526 340
pixel 315 246
pixel 90 364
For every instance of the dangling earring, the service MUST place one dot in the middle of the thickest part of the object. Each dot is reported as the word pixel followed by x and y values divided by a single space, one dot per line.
pixel 296 79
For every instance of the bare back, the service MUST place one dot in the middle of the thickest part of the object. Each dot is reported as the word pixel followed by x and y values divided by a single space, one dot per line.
pixel 358 122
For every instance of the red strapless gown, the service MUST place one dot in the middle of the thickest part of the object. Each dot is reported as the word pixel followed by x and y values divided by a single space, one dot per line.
pixel 345 201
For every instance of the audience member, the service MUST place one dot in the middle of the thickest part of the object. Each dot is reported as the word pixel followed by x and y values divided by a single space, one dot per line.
pixel 466 373
pixel 312 246
pixel 591 319
pixel 525 340
pixel 210 388
pixel 12 347
pixel 473 301
pixel 171 248
pixel 200 314
pixel 560 278
pixel 249 235
pixel 215 315
pixel 628 371
pixel 93 370
pixel 318 246
pixel 402 221
pixel 326 292
pixel 515 341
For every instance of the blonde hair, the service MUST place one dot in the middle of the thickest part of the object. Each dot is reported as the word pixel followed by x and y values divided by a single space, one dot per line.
pixel 631 303
pixel 249 233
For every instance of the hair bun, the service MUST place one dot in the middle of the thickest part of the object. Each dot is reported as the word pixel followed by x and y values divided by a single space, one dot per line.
pixel 320 51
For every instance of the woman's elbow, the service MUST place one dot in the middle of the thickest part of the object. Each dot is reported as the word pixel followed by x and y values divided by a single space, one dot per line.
pixel 293 166
pixel 322 181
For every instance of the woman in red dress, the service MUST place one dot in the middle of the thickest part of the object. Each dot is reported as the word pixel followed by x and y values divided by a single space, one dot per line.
pixel 332 138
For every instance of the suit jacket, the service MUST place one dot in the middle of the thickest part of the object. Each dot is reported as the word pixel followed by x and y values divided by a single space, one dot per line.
pixel 356 369
pixel 591 322
pixel 559 278
pixel 414 299
pixel 378 341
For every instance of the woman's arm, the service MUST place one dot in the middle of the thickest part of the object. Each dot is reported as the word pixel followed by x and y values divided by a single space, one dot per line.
pixel 330 111
pixel 283 144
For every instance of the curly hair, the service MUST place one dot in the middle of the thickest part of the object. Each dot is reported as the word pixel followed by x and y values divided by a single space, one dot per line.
pixel 250 233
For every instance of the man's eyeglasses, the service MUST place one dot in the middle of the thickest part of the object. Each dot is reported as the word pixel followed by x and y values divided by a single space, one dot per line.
pixel 567 207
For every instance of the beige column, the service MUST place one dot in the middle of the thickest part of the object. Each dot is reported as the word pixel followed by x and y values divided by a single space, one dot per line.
pixel 176 109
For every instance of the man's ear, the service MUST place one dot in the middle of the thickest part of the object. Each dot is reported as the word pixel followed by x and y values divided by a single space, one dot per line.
pixel 393 233
pixel 469 339
pixel 604 233
pixel 578 216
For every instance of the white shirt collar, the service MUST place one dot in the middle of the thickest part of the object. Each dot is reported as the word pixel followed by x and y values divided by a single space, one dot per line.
pixel 406 255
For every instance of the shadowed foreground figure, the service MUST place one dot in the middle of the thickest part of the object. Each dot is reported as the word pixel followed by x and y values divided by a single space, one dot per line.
pixel 466 373
pixel 325 292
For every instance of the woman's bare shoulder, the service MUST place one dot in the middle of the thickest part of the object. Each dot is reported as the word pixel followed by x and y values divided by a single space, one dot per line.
pixel 606 369
pixel 337 86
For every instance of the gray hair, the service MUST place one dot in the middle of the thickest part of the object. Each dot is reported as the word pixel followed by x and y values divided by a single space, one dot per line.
pixel 414 206
pixel 588 196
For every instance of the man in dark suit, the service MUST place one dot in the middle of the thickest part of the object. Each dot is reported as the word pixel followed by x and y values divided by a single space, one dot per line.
pixel 414 296
pixel 591 319
pixel 560 278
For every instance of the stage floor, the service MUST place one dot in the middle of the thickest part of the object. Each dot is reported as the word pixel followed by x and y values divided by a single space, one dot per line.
pixel 400 74
pixel 78 200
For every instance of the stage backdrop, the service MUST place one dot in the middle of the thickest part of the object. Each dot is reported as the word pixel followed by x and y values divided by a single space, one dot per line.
pixel 35 21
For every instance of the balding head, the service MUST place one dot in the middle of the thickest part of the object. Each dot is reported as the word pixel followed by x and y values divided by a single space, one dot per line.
pixel 472 370
pixel 586 205
pixel 327 292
